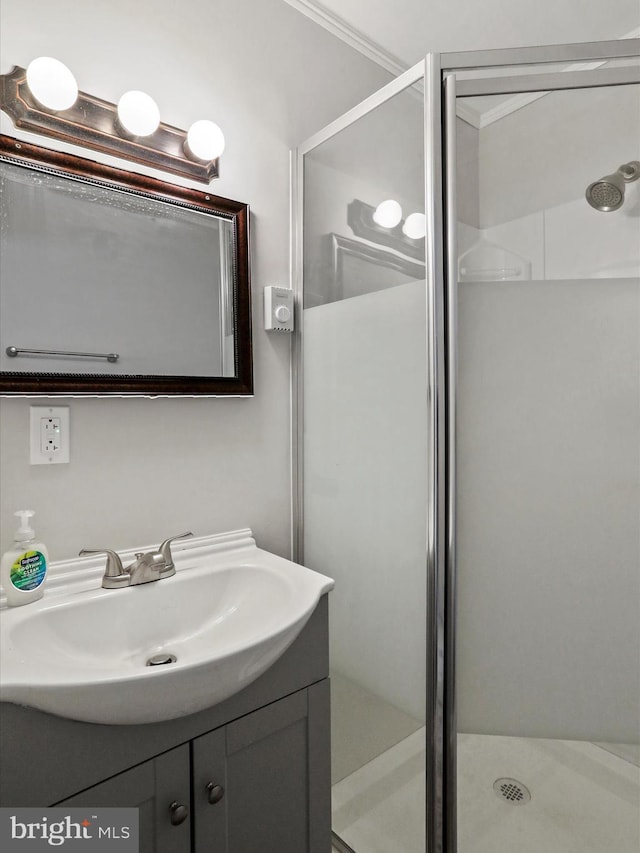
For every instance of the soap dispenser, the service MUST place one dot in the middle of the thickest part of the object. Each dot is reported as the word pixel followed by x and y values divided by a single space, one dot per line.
pixel 24 566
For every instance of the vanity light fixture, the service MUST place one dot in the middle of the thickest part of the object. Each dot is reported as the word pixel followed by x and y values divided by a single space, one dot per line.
pixel 205 140
pixel 51 83
pixel 387 214
pixel 415 226
pixel 384 225
pixel 138 113
pixel 45 99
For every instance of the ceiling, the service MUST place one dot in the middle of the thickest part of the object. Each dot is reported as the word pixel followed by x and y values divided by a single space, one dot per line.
pixel 405 30
pixel 398 33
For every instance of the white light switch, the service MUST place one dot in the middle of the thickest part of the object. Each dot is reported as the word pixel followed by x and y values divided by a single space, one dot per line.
pixel 49 432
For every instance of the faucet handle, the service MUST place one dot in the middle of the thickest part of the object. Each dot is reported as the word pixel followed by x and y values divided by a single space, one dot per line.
pixel 114 566
pixel 165 549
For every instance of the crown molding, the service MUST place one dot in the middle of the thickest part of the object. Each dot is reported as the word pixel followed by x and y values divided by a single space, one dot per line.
pixel 517 102
pixel 348 34
pixel 468 114
pixel 376 53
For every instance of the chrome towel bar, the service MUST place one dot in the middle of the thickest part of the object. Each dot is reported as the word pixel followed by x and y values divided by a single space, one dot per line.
pixel 13 352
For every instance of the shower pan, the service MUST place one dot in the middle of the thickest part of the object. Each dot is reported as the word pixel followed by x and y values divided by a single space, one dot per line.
pixel 467 453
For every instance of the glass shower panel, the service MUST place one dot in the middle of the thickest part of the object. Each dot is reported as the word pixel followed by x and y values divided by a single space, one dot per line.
pixel 548 480
pixel 365 478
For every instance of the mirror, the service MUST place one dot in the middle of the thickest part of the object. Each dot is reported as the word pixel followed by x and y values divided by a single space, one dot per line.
pixel 114 282
pixel 345 268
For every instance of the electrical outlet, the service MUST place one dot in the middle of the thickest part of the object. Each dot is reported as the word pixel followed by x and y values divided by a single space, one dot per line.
pixel 49 431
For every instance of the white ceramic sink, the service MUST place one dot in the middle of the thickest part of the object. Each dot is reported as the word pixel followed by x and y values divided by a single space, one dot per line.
pixel 227 614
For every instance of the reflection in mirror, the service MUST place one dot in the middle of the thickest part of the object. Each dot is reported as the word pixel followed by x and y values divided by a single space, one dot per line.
pixel 398 236
pixel 131 285
pixel 359 268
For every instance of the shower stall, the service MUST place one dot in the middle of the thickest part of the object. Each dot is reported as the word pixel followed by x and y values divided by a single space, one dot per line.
pixel 467 455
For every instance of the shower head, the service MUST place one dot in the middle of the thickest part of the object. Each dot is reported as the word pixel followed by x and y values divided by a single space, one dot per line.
pixel 608 193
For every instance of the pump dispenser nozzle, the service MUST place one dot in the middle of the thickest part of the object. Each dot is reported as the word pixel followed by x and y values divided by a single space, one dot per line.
pixel 25 532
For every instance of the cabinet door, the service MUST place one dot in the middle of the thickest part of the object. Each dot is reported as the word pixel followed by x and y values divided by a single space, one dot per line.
pixel 157 788
pixel 210 795
pixel 274 768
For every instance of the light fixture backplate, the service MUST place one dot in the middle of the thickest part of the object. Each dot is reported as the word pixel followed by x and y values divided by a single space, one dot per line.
pixel 92 122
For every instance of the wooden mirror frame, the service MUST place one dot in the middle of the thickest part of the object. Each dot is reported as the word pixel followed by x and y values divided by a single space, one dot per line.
pixel 70 384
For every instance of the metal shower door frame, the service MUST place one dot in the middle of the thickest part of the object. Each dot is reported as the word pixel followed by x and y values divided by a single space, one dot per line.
pixel 424 72
pixel 442 87
pixel 442 828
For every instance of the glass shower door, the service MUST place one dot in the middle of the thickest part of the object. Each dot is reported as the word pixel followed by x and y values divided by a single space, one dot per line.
pixel 364 431
pixel 548 469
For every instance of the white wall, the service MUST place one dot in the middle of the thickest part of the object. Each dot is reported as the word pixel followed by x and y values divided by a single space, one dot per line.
pixel 573 240
pixel 467 176
pixel 143 469
pixel 547 153
pixel 365 485
pixel 549 431
pixel 533 168
pixel 549 509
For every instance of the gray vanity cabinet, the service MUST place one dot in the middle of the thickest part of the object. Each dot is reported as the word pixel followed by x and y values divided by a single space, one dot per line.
pixel 157 788
pixel 258 783
pixel 273 769
pixel 252 772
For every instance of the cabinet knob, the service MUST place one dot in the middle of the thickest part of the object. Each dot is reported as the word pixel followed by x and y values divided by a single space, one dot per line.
pixel 214 793
pixel 179 813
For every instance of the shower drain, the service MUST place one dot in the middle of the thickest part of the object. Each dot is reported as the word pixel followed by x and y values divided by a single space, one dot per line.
pixel 512 791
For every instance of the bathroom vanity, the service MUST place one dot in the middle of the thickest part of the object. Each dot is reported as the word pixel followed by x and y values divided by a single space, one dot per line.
pixel 90 725
pixel 249 774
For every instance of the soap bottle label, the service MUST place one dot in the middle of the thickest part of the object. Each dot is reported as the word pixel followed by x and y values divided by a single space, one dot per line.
pixel 28 571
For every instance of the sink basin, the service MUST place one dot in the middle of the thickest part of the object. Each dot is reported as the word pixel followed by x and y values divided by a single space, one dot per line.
pixel 227 614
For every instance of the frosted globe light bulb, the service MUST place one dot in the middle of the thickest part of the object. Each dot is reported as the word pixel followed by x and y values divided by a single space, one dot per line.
pixel 51 83
pixel 387 214
pixel 205 140
pixel 138 113
pixel 415 226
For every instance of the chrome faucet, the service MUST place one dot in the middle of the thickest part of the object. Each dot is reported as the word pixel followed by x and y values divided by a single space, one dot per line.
pixel 152 566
